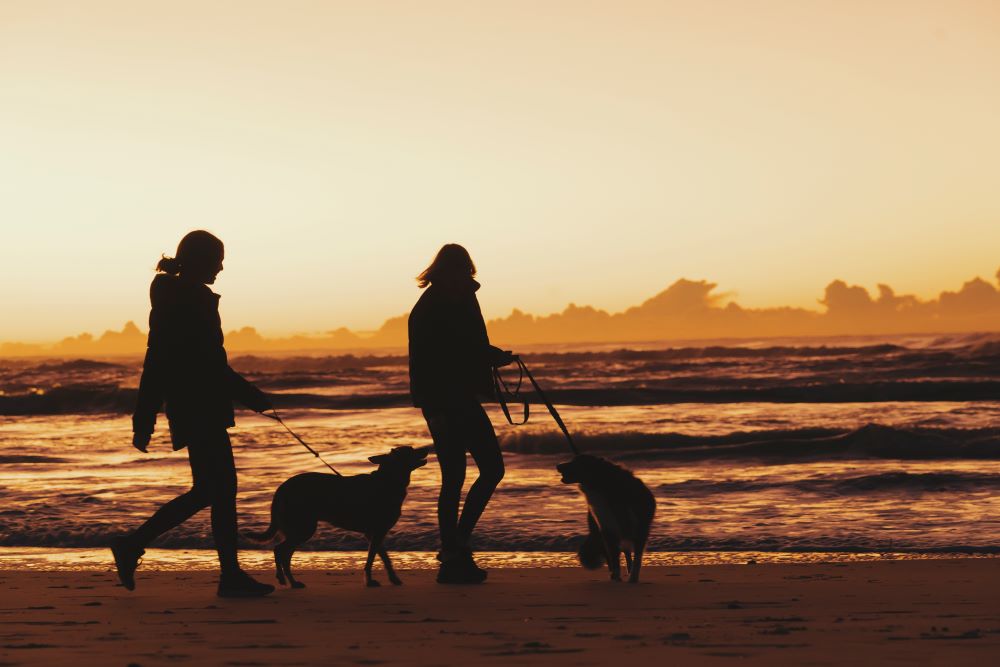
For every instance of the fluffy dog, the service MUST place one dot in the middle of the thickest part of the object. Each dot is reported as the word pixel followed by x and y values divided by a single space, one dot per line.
pixel 369 504
pixel 620 511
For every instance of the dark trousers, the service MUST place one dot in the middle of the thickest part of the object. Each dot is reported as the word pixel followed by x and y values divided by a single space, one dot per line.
pixel 457 430
pixel 214 474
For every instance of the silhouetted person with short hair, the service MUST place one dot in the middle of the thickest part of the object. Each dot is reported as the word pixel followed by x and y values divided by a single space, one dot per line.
pixel 451 363
pixel 187 369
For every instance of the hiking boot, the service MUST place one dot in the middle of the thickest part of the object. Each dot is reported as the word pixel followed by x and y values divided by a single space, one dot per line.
pixel 470 564
pixel 239 584
pixel 127 559
pixel 460 570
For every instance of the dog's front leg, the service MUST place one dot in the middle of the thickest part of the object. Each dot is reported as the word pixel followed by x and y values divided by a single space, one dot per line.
pixel 633 573
pixel 372 548
pixel 612 546
pixel 389 570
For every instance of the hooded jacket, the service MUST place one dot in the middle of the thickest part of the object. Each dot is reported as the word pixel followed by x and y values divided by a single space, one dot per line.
pixel 450 354
pixel 186 366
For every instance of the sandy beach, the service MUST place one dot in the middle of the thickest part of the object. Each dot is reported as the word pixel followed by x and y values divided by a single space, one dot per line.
pixel 942 612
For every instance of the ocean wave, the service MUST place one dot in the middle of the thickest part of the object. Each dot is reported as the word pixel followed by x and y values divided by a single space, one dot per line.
pixel 722 352
pixel 89 399
pixel 30 458
pixel 85 398
pixel 72 365
pixel 871 441
pixel 622 354
pixel 890 482
pixel 959 340
pixel 70 399
pixel 962 368
pixel 832 392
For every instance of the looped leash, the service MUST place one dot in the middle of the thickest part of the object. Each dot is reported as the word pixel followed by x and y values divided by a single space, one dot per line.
pixel 276 417
pixel 504 395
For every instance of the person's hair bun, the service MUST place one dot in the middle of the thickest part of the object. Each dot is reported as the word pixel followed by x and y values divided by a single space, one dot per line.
pixel 168 265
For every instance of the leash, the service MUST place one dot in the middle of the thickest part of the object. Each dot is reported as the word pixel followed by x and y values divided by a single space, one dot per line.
pixel 504 395
pixel 276 417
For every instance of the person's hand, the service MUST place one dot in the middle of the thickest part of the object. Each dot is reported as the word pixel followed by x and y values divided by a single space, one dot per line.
pixel 506 358
pixel 263 402
pixel 141 441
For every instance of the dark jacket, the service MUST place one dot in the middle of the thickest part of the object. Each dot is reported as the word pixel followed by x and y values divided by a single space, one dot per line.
pixel 451 358
pixel 186 365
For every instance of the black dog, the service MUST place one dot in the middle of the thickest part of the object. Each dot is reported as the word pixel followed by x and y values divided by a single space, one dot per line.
pixel 368 504
pixel 619 512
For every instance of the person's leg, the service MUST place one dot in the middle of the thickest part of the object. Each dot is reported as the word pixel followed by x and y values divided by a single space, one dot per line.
pixel 175 512
pixel 481 441
pixel 451 458
pixel 215 474
pixel 215 478
pixel 128 549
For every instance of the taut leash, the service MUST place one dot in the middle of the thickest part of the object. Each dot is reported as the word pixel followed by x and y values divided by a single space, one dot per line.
pixel 504 394
pixel 276 417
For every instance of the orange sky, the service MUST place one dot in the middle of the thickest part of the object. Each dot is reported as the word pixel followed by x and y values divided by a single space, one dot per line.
pixel 583 152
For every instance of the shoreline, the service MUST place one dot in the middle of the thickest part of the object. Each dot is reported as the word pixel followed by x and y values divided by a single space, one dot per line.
pixel 936 612
pixel 59 559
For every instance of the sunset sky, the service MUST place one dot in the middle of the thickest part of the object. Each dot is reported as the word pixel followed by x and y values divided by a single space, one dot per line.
pixel 591 152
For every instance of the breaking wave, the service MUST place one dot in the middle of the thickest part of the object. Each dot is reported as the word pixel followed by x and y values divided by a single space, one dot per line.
pixel 871 441
pixel 72 399
pixel 890 482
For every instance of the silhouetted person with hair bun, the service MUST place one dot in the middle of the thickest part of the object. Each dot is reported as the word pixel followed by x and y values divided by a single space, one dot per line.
pixel 186 368
pixel 451 362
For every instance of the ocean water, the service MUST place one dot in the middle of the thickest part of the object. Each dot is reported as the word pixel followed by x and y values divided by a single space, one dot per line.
pixel 848 446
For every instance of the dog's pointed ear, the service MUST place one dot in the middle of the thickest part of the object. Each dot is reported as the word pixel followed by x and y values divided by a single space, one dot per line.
pixel 379 459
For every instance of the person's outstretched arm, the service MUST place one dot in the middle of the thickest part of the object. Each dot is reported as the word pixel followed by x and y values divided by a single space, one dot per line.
pixel 246 392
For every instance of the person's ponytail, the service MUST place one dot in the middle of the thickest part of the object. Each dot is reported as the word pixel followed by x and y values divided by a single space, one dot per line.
pixel 168 265
pixel 199 252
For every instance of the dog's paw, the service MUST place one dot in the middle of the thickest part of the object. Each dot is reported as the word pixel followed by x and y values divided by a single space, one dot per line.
pixel 298 584
pixel 372 583
pixel 616 577
pixel 396 581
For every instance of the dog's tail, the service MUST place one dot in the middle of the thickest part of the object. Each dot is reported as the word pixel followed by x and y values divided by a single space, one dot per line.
pixel 591 553
pixel 265 536
pixel 272 528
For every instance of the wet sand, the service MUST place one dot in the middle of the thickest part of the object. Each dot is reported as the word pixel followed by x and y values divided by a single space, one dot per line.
pixel 941 612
